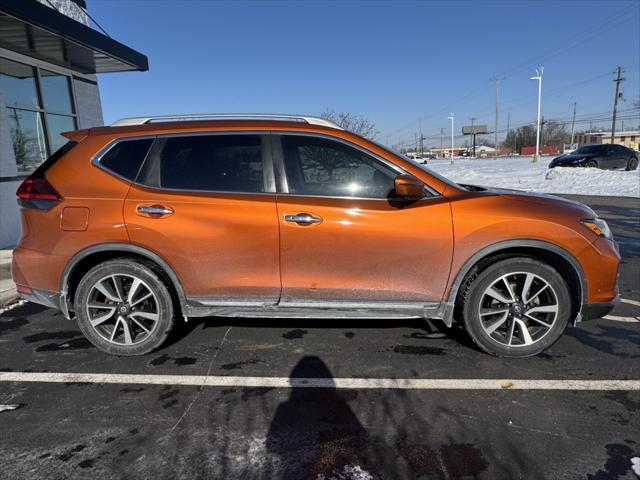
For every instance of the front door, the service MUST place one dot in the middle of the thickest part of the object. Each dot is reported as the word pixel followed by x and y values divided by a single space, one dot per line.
pixel 203 203
pixel 344 239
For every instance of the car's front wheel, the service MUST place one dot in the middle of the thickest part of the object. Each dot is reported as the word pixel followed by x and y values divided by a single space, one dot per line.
pixel 591 164
pixel 123 307
pixel 516 307
pixel 632 164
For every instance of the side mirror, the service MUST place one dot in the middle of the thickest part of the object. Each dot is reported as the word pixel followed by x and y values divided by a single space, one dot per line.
pixel 408 187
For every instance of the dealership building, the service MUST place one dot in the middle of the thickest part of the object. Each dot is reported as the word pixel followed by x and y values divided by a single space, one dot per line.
pixel 49 58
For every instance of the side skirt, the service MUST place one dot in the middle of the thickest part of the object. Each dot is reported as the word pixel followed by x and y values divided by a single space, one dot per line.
pixel 310 309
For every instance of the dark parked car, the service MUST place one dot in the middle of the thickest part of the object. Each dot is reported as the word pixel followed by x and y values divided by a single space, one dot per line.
pixel 599 156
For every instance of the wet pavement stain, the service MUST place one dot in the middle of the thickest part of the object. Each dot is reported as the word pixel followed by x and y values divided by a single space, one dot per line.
pixel 251 392
pixel 132 390
pixel 65 457
pixel 87 463
pixel 76 344
pixel 457 460
pixel 617 464
pixel 418 350
pixel 167 397
pixel 179 361
pixel 294 334
pixel 239 365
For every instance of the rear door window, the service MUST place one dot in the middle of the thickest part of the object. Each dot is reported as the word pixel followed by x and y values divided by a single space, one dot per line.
pixel 126 157
pixel 220 163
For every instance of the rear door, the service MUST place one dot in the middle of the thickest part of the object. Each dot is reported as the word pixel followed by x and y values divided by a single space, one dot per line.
pixel 206 205
pixel 620 156
pixel 344 239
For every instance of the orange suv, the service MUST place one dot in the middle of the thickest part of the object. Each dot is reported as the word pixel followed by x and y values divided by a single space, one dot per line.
pixel 132 227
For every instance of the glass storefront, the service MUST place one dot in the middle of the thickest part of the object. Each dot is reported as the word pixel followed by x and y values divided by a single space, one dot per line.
pixel 40 106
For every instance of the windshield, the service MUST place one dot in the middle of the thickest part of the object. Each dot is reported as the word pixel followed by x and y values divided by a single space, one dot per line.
pixel 589 149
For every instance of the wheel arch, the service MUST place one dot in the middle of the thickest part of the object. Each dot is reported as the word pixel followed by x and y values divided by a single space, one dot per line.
pixel 86 259
pixel 566 264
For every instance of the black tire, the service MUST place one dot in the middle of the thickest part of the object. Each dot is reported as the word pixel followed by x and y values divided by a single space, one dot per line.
pixel 161 298
pixel 474 293
pixel 591 164
pixel 632 164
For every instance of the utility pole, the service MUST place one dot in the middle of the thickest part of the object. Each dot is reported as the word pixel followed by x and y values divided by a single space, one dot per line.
pixel 421 138
pixel 441 137
pixel 473 138
pixel 573 124
pixel 452 118
pixel 538 77
pixel 495 133
pixel 615 102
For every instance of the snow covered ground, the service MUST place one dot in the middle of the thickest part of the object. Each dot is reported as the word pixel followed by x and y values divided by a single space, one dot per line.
pixel 521 174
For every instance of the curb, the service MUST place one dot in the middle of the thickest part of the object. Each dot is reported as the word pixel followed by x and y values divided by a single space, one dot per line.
pixel 8 293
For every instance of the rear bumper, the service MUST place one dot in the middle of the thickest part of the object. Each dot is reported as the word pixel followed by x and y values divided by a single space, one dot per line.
pixel 598 310
pixel 43 297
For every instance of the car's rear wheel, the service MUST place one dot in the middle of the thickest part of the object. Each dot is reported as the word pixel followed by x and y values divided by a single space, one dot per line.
pixel 591 164
pixel 632 163
pixel 124 308
pixel 516 307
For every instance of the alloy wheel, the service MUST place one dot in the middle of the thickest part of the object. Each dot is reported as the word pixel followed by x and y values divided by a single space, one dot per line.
pixel 518 309
pixel 123 309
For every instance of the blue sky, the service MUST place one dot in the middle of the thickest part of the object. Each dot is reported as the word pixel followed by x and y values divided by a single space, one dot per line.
pixel 393 62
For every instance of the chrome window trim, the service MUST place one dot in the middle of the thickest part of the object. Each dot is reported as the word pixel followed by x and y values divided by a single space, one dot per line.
pixel 277 162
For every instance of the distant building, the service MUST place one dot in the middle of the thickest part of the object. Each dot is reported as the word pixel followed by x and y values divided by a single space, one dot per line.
pixel 48 60
pixel 629 138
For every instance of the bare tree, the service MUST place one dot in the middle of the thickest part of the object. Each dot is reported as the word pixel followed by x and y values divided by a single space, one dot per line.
pixel 354 123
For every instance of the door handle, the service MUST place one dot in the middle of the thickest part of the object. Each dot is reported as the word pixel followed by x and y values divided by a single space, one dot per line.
pixel 302 219
pixel 154 211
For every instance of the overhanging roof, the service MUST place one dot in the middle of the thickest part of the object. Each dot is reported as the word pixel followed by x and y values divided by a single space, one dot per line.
pixel 31 28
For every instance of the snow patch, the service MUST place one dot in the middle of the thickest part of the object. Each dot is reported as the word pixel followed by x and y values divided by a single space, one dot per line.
pixel 520 173
pixel 635 465
pixel 12 306
pixel 348 472
pixel 9 407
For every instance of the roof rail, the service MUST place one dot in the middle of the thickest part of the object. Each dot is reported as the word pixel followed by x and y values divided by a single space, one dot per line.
pixel 224 116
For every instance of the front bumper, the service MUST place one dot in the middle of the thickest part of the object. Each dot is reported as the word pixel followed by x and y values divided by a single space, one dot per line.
pixel 598 310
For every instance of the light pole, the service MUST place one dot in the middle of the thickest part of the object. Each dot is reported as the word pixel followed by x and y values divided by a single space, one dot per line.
pixel 495 130
pixel 452 117
pixel 538 77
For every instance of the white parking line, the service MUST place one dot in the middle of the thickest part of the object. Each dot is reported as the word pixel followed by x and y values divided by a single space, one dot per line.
pixel 630 302
pixel 615 318
pixel 342 383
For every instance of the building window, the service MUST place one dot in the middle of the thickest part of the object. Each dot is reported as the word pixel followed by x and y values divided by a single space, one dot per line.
pixel 39 106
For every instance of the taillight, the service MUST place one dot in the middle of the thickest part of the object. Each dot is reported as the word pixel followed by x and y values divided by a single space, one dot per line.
pixel 37 192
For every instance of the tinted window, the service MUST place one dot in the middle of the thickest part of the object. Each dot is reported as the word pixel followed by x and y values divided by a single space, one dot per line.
pixel 590 149
pixel 227 163
pixel 317 166
pixel 125 157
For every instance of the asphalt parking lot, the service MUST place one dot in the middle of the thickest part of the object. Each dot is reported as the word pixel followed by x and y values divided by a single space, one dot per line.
pixel 72 428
